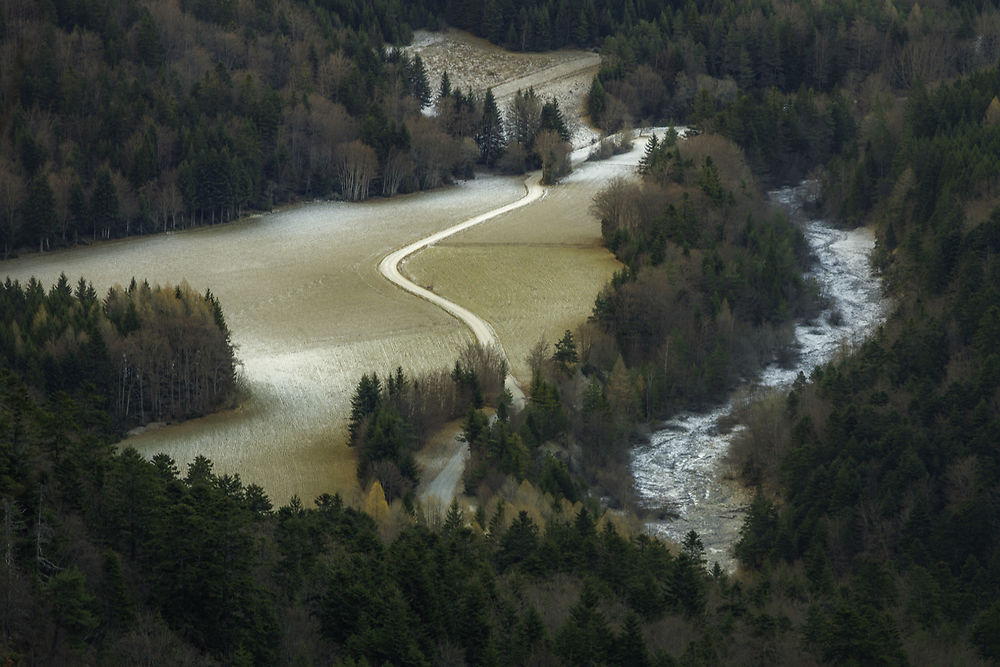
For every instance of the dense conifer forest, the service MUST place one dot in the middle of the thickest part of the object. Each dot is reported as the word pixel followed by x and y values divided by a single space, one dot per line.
pixel 873 536
pixel 147 354
pixel 131 117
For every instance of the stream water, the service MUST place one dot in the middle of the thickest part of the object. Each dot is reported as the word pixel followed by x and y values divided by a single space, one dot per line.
pixel 682 466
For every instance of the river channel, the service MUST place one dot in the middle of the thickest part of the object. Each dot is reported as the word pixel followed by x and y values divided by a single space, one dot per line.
pixel 682 467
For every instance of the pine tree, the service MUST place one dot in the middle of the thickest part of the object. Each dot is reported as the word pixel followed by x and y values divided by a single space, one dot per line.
pixel 581 31
pixel 148 46
pixel 596 100
pixel 454 520
pixel 566 350
pixel 630 645
pixel 489 137
pixel 709 182
pixel 72 605
pixel 78 212
pixel 693 548
pixel 585 638
pixel 40 211
pixel 115 602
pixel 524 117
pixel 552 119
pixel 366 398
pixel 419 85
pixel 649 156
pixel 444 90
pixel 758 532
pixel 493 21
pixel 670 140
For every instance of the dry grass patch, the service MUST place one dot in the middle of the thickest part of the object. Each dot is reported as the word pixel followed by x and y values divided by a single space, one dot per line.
pixel 309 313
pixel 522 291
pixel 291 436
pixel 531 273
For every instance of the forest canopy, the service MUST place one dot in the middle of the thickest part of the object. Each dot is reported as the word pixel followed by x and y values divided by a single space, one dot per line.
pixel 142 353
pixel 132 117
pixel 873 535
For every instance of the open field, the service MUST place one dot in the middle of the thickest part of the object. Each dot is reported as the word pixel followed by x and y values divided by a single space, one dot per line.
pixel 534 272
pixel 525 291
pixel 309 312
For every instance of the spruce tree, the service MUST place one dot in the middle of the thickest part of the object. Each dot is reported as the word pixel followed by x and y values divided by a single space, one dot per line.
pixel 596 100
pixel 670 139
pixel 444 90
pixel 649 156
pixel 489 137
pixel 366 398
pixel 104 205
pixel 40 211
pixel 552 119
pixel 419 85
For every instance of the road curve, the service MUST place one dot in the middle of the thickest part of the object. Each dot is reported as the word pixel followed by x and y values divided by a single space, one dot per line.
pixel 443 487
pixel 481 329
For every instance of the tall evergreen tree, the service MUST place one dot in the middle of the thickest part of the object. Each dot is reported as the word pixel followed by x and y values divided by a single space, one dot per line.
pixel 366 399
pixel 419 85
pixel 649 156
pixel 552 119
pixel 596 100
pixel 524 117
pixel 490 137
pixel 444 90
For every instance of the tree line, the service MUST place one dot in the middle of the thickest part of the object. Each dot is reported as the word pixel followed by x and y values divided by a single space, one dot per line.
pixel 142 353
pixel 130 118
pixel 711 275
pixel 787 80
pixel 881 461
pixel 873 504
pixel 114 558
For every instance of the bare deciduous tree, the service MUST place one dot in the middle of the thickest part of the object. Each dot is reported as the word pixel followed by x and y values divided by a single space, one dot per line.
pixel 331 73
pixel 357 165
pixel 617 206
pixel 398 167
pixel 554 153
pixel 929 58
pixel 489 364
pixel 538 355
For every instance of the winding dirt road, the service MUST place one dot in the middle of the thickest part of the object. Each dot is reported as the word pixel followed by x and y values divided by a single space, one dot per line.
pixel 481 329
pixel 442 488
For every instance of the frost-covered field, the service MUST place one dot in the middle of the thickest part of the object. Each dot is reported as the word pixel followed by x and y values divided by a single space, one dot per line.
pixel 310 313
pixel 534 272
pixel 473 63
